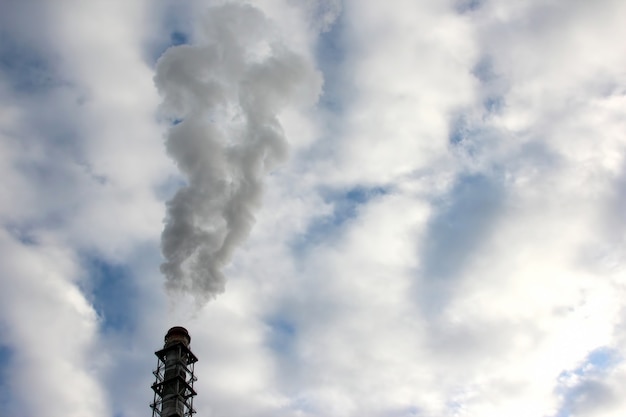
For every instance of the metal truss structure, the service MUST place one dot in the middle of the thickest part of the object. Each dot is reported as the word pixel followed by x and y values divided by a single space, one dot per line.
pixel 173 387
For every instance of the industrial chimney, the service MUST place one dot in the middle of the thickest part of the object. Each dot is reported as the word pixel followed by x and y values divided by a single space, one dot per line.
pixel 173 388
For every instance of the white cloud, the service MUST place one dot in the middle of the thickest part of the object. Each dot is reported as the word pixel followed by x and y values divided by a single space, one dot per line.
pixel 51 332
pixel 82 159
pixel 446 238
pixel 533 295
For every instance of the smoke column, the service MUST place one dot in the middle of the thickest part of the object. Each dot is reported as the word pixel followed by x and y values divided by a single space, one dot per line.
pixel 223 97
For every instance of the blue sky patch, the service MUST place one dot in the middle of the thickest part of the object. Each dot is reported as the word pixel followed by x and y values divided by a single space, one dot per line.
pixel 178 38
pixel 603 358
pixel 6 356
pixel 113 294
pixel 282 334
pixel 157 49
pixel 472 140
pixel 22 233
pixel 175 23
pixel 494 84
pixel 493 104
pixel 26 70
pixel 463 220
pixel 589 389
pixel 346 205
pixel 484 70
pixel 331 55
pixel 459 131
pixel 467 137
pixel 467 6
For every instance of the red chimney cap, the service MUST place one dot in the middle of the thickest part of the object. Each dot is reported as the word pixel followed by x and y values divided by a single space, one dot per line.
pixel 177 334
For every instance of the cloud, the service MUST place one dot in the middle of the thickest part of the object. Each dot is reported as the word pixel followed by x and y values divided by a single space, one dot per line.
pixel 53 347
pixel 79 144
pixel 446 237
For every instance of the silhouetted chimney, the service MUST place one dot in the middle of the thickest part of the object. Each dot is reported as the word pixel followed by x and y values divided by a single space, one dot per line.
pixel 173 388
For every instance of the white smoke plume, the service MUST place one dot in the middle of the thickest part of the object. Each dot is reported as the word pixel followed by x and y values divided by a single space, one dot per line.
pixel 223 96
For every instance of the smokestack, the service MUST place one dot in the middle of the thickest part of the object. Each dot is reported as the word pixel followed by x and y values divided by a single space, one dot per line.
pixel 173 388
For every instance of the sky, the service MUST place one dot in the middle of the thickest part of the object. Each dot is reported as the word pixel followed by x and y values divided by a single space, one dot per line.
pixel 356 208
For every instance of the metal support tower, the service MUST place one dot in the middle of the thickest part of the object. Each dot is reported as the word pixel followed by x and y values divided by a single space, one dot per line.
pixel 173 388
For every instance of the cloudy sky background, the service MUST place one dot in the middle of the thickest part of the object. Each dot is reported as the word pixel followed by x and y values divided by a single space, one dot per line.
pixel 440 234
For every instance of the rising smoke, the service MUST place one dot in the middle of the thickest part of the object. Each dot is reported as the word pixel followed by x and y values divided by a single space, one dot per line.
pixel 223 97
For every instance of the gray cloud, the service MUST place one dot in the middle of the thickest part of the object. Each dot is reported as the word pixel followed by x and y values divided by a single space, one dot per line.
pixel 225 95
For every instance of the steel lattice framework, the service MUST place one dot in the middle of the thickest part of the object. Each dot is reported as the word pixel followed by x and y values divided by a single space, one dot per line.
pixel 173 387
